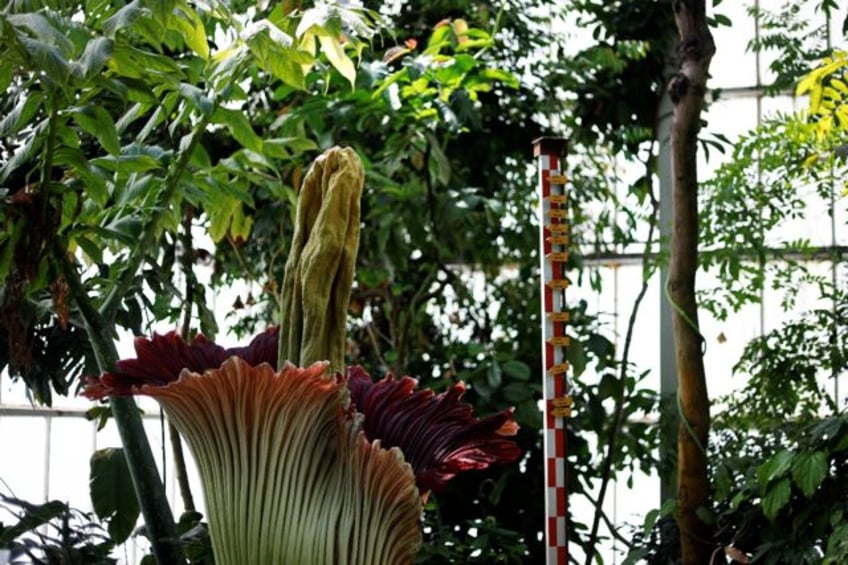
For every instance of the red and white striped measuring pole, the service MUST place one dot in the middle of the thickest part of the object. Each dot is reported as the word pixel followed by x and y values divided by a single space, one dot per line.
pixel 549 152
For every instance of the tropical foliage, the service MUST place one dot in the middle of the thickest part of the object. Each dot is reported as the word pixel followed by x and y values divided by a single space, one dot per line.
pixel 130 129
pixel 778 446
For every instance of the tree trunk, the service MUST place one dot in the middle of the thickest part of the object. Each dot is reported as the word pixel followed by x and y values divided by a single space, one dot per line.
pixel 686 90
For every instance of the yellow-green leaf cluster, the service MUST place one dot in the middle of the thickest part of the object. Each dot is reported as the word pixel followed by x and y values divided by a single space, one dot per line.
pixel 827 88
pixel 336 29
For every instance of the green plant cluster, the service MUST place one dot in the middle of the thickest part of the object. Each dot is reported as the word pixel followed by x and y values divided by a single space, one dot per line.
pixel 52 533
pixel 778 447
pixel 130 126
pixel 119 119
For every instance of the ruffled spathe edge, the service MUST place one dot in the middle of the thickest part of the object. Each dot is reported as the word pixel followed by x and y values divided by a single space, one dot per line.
pixel 161 358
pixel 438 434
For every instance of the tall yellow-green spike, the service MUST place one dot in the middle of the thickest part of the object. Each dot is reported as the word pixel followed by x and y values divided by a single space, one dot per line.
pixel 319 270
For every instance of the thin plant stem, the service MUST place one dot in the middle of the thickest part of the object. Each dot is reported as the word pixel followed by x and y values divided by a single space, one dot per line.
pixel 618 410
pixel 148 486
pixel 187 261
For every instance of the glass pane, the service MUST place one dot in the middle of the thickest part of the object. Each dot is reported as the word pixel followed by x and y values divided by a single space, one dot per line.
pixel 23 463
pixel 772 105
pixel 644 348
pixel 728 116
pixel 733 65
pixel 12 392
pixel 71 446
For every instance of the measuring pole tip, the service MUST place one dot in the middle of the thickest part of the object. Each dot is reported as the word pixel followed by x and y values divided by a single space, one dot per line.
pixel 549 146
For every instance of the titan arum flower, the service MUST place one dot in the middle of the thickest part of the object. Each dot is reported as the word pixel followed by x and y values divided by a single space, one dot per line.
pixel 311 465
pixel 303 466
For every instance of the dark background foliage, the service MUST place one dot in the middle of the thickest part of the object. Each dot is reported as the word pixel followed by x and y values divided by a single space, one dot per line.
pixel 447 277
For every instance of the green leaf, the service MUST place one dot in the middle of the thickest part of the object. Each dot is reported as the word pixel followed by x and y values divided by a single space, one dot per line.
pixel 197 97
pixel 94 58
pixel 124 17
pixel 240 127
pixel 23 154
pixel 101 413
pixel 208 325
pixel 576 356
pixel 610 386
pixel 273 50
pixel 21 114
pixel 267 36
pixel 443 168
pixel 158 116
pixel 41 29
pixel 528 413
pixel 650 519
pixel 705 514
pixel 33 516
pixel 774 468
pixel 7 71
pixel 722 20
pixel 136 63
pixel 776 498
pixel 438 39
pixel 286 147
pixel 809 470
pixel 505 77
pixel 93 251
pixel 516 369
pixel 112 494
pixel 636 555
pixel 240 225
pixel 335 53
pixel 126 229
pixel 192 29
pixel 398 76
pixel 317 17
pixel 124 64
pixel 827 428
pixel 220 214
pixel 474 44
pixel 517 392
pixel 136 111
pixel 224 194
pixel 127 163
pixel 49 59
pixel 96 121
pixel 200 158
pixel 75 162
pixel 494 375
pixel 602 348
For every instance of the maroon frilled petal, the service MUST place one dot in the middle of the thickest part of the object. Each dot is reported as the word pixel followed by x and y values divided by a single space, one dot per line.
pixel 262 349
pixel 438 434
pixel 160 360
